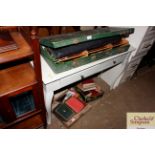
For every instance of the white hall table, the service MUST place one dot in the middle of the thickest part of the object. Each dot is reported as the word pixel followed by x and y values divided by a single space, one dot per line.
pixel 53 81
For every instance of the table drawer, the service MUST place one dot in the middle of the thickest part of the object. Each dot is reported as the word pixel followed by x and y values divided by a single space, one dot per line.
pixel 55 85
pixel 70 79
pixel 151 29
pixel 133 65
pixel 141 52
pixel 127 75
pixel 139 55
pixel 60 83
pixel 102 66
pixel 146 44
pixel 91 71
pixel 149 36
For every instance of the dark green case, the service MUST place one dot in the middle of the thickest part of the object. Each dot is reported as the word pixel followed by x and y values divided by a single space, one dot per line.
pixel 62 40
pixel 64 112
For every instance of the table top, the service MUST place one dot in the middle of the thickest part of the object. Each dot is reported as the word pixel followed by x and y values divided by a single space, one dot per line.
pixel 49 76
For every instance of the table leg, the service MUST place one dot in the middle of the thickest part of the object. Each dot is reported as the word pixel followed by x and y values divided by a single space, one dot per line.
pixel 48 103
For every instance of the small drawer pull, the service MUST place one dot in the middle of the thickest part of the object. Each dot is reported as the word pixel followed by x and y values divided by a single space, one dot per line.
pixel 114 62
pixel 147 46
pixel 134 66
pixel 82 77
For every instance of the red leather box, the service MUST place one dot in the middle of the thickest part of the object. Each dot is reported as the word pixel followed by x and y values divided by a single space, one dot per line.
pixel 75 104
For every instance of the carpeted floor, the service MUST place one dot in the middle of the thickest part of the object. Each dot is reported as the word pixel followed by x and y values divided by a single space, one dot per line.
pixel 136 95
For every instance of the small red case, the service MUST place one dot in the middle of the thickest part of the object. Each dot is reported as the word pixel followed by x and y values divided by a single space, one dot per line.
pixel 75 104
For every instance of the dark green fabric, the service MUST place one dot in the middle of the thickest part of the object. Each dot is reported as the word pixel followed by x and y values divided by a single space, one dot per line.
pixel 62 40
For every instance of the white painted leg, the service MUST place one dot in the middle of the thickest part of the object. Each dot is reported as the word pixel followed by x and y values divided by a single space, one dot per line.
pixel 48 103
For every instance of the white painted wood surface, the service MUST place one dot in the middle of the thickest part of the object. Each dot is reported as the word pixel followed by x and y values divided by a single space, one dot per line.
pixel 53 81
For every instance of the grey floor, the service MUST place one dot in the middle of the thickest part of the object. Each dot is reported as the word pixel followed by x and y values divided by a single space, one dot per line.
pixel 109 112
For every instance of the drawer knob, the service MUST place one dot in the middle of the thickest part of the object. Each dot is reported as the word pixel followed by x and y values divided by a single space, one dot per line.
pixel 82 77
pixel 134 66
pixel 114 62
pixel 147 46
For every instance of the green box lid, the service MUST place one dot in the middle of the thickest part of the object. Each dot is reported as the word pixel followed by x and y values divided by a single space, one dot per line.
pixel 62 40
